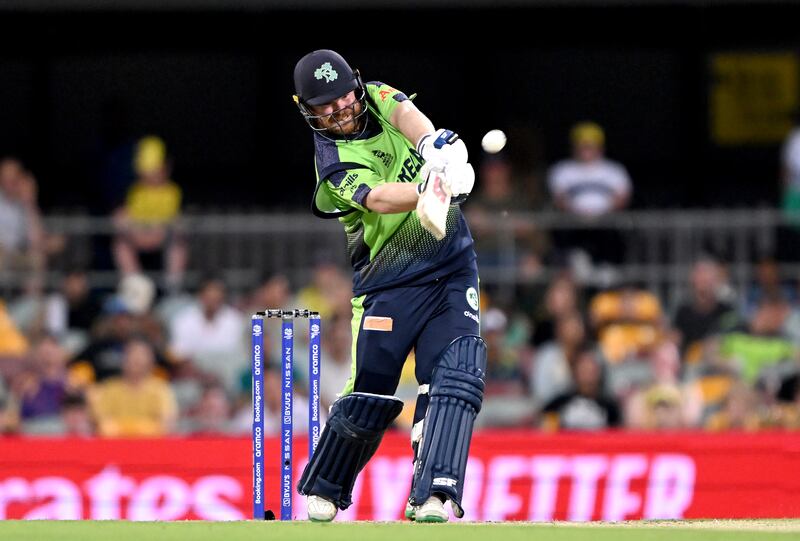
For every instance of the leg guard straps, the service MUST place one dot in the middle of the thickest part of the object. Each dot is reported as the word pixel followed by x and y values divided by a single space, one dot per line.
pixel 456 394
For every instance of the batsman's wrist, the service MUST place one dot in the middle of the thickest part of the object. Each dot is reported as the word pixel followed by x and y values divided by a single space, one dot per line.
pixel 422 140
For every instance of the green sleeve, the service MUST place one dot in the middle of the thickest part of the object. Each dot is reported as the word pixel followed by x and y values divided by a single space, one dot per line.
pixel 385 98
pixel 352 190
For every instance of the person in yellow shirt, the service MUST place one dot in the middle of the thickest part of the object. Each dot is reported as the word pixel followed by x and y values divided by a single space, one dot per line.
pixel 628 321
pixel 147 224
pixel 136 404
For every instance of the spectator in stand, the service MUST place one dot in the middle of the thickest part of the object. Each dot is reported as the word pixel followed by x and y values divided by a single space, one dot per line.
pixel 138 403
pixel 9 410
pixel 209 337
pixel 740 411
pixel 488 214
pixel 560 300
pixel 714 375
pixel 551 370
pixel 148 233
pixel 272 291
pixel 627 320
pixel 589 186
pixel 628 323
pixel 76 419
pixel 768 283
pixel 72 310
pixel 329 291
pixel 704 313
pixel 504 376
pixel 506 401
pixel 125 315
pixel 42 386
pixel 659 408
pixel 767 346
pixel 212 416
pixel 585 406
pixel 46 402
pixel 22 237
pixel 666 403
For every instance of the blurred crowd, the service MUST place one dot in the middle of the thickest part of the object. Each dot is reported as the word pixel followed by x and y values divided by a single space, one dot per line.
pixel 155 357
pixel 589 360
pixel 138 362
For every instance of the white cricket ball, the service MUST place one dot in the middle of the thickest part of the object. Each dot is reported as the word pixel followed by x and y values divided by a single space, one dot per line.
pixel 493 141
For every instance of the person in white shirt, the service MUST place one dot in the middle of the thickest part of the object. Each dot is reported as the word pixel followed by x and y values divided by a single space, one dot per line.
pixel 589 185
pixel 211 336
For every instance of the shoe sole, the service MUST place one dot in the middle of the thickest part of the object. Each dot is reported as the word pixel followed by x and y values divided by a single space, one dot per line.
pixel 430 519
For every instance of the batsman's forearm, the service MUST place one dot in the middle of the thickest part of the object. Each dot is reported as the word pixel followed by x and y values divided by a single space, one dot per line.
pixel 392 198
pixel 411 121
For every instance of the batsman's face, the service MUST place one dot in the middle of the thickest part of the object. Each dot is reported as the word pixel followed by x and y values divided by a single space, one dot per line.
pixel 339 116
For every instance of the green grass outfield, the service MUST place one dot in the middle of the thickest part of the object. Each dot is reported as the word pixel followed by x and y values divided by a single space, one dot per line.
pixel 704 530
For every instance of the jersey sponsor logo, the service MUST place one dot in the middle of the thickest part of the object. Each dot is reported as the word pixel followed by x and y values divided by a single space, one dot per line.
pixel 472 298
pixel 378 323
pixel 411 166
pixel 327 72
pixel 386 92
pixel 346 183
pixel 385 157
pixel 472 316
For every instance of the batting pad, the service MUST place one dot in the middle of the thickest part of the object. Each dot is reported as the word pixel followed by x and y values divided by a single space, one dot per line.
pixel 351 436
pixel 456 395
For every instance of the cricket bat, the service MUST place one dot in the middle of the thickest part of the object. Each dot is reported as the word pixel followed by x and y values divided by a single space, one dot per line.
pixel 434 204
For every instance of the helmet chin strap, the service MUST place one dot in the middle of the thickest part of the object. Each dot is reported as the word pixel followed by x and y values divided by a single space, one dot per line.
pixel 364 111
pixel 361 120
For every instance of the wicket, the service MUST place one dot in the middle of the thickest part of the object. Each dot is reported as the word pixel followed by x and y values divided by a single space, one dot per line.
pixel 287 414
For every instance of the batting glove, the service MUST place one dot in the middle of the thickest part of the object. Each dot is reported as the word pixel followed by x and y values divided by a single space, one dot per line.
pixel 460 178
pixel 441 148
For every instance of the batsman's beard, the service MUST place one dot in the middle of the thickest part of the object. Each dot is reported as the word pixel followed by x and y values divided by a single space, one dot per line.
pixel 346 121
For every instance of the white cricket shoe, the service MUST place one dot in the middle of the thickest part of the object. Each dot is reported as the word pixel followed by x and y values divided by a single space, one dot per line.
pixel 431 511
pixel 411 511
pixel 320 509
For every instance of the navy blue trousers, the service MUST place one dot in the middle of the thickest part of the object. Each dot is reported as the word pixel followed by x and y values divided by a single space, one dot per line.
pixel 427 317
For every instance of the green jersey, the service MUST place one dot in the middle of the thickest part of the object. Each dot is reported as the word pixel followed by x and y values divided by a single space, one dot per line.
pixel 385 250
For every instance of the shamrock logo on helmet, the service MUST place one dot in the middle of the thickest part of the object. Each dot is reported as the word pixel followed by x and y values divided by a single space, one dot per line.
pixel 327 72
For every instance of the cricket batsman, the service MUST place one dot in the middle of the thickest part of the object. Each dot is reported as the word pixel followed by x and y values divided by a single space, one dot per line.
pixel 374 155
